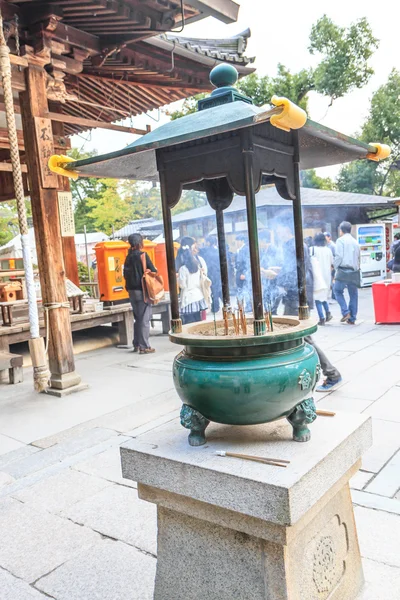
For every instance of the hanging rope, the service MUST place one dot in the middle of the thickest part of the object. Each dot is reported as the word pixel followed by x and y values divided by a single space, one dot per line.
pixel 40 370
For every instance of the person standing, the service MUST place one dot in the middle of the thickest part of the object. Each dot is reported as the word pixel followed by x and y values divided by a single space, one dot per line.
pixel 322 263
pixel 284 232
pixel 211 256
pixel 133 274
pixel 347 267
pixel 191 279
pixel 330 243
pixel 243 276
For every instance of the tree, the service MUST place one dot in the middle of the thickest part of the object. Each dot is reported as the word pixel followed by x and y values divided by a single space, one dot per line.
pixel 82 189
pixel 109 209
pixel 9 226
pixel 189 106
pixel 382 125
pixel 344 53
pixel 310 179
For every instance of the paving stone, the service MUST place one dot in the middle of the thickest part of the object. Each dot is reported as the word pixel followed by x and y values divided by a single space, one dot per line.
pixel 386 440
pixel 388 405
pixel 363 361
pixel 338 401
pixel 118 513
pixel 360 480
pixel 362 498
pixel 7 444
pixel 58 492
pixel 107 465
pixel 5 479
pixel 18 454
pixel 12 588
pixel 33 542
pixel 108 571
pixel 57 453
pixel 387 482
pixel 379 535
pixel 375 381
pixel 382 582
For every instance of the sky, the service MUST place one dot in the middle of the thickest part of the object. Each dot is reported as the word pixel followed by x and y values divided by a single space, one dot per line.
pixel 279 33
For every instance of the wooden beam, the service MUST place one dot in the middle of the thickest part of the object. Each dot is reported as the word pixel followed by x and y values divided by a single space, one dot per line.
pixel 48 235
pixel 93 124
pixel 8 167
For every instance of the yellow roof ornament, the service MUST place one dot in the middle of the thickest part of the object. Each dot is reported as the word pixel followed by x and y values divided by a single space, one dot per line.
pixel 57 163
pixel 382 151
pixel 291 116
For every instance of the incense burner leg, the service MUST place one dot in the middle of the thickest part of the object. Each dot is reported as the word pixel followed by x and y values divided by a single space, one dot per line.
pixel 193 420
pixel 303 414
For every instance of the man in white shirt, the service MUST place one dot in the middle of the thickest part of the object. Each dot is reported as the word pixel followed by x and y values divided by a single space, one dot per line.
pixel 347 266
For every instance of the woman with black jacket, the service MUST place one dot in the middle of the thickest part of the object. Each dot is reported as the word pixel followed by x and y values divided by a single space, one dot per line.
pixel 133 273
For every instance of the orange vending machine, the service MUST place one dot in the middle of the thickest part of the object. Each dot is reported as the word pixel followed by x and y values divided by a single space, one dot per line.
pixel 110 262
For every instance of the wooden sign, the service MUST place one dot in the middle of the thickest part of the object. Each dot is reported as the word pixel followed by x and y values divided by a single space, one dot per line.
pixel 45 149
pixel 66 212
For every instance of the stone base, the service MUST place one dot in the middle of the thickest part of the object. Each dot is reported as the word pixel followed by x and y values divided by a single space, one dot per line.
pixel 71 390
pixel 248 559
pixel 62 381
pixel 232 529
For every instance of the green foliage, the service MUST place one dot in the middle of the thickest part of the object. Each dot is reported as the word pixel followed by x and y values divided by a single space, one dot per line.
pixel 9 227
pixel 82 189
pixel 189 106
pixel 310 179
pixel 382 125
pixel 83 274
pixel 293 86
pixel 345 52
pixel 109 209
pixel 190 199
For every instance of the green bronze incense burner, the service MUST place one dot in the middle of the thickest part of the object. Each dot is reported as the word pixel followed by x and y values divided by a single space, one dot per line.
pixel 246 380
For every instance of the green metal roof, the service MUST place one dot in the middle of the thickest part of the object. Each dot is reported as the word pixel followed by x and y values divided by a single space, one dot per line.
pixel 319 145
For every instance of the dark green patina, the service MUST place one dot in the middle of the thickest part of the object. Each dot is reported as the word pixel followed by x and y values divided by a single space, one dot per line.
pixel 246 380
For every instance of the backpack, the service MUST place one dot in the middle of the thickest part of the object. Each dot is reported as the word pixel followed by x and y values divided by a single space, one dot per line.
pixel 152 284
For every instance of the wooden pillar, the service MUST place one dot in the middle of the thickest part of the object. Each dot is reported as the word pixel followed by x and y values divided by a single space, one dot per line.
pixel 304 311
pixel 44 198
pixel 68 242
pixel 248 151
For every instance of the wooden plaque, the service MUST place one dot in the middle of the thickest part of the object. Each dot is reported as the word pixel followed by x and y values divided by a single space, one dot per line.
pixel 66 212
pixel 45 149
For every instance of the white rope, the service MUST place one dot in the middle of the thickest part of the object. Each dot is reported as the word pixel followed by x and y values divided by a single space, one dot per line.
pixel 47 308
pixel 30 288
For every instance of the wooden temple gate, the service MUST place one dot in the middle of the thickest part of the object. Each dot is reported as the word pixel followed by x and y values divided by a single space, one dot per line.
pixel 80 65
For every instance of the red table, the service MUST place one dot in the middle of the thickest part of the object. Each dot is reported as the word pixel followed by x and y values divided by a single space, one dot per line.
pixel 386 297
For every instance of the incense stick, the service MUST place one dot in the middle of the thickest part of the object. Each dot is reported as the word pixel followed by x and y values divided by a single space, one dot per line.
pixel 277 462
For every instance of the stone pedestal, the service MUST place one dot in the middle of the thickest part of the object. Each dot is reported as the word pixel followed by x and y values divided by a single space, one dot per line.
pixel 231 529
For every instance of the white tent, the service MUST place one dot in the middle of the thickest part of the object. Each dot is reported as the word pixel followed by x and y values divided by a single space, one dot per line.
pixel 13 248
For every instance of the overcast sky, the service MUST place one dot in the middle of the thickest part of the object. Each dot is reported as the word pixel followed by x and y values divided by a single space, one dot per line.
pixel 279 33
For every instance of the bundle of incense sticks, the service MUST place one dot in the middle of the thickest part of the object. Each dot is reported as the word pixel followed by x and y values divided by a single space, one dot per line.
pixel 235 324
pixel 242 317
pixel 226 324
pixel 276 462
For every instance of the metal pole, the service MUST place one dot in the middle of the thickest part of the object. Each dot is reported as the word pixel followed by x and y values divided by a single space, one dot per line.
pixel 247 149
pixel 87 253
pixel 304 311
pixel 176 323
pixel 223 261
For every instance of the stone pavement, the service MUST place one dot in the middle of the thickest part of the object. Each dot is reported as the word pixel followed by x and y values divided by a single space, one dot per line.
pixel 73 529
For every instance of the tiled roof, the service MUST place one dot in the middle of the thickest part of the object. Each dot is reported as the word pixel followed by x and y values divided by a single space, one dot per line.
pixel 229 49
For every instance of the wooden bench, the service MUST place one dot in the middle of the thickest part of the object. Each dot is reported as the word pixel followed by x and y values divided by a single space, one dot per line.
pixel 13 363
